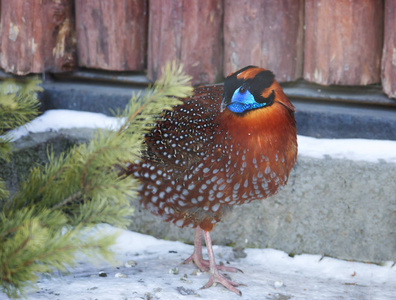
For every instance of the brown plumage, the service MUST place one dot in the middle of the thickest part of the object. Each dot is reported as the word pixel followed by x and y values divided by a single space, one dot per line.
pixel 222 147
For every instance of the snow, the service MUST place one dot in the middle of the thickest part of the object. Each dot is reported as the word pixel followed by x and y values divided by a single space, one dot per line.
pixel 57 119
pixel 351 149
pixel 268 274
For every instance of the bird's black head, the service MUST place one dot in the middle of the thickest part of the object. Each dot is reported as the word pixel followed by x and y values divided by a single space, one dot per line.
pixel 244 90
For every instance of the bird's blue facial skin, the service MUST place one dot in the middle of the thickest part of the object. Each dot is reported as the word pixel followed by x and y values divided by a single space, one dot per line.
pixel 243 101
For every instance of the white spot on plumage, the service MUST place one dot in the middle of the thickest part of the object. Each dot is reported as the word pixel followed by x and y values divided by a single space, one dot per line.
pixel 222 187
pixel 267 170
pixel 216 207
pixel 246 183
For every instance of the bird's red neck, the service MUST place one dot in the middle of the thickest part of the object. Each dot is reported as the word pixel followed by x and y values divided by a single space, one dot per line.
pixel 267 129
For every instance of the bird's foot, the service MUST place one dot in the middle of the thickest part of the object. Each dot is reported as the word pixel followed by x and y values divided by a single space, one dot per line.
pixel 216 277
pixel 203 265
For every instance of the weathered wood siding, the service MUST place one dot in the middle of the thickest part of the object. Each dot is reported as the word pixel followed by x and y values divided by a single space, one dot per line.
pixel 328 42
pixel 388 75
pixel 343 41
pixel 112 35
pixel 264 33
pixel 37 36
pixel 190 32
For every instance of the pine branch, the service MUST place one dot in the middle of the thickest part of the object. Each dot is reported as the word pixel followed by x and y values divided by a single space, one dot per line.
pixel 77 190
pixel 18 103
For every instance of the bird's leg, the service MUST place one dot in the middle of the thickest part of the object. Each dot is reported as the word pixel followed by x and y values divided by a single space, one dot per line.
pixel 215 276
pixel 196 257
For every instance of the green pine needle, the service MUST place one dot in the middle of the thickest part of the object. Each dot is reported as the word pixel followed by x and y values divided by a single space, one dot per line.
pixel 76 190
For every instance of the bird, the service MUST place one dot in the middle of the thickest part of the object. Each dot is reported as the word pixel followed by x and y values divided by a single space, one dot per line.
pixel 224 146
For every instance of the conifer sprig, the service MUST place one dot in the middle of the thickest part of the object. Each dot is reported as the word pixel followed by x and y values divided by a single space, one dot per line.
pixel 78 189
pixel 18 105
pixel 18 102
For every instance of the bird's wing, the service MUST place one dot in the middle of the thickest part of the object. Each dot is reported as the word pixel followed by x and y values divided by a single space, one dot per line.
pixel 184 135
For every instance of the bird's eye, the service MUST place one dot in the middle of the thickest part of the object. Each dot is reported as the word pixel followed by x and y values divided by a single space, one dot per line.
pixel 242 89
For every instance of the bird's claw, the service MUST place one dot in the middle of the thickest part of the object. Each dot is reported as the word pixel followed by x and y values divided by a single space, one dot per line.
pixel 228 269
pixel 200 263
pixel 203 265
pixel 227 283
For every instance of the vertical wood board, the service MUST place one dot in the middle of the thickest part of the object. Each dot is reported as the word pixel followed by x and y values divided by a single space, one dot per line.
pixel 112 35
pixel 37 36
pixel 264 33
pixel 388 74
pixel 343 41
pixel 189 32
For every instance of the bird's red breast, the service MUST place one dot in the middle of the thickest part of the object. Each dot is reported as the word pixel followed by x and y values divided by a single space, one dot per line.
pixel 202 159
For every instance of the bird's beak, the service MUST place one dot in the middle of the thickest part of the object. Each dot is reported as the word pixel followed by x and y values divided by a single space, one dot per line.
pixel 224 104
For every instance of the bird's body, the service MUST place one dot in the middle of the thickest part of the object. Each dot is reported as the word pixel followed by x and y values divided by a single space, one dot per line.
pixel 222 147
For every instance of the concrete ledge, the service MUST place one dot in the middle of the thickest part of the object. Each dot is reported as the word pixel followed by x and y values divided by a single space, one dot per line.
pixel 338 208
pixel 334 207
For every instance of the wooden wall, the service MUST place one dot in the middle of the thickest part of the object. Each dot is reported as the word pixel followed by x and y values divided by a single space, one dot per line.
pixel 342 42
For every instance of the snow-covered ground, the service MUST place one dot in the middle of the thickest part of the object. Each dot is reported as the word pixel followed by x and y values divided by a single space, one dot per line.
pixel 151 269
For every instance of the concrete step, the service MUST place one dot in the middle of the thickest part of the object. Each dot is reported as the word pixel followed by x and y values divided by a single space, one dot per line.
pixel 333 206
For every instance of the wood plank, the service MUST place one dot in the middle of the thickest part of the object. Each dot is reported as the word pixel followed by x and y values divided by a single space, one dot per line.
pixel 37 36
pixel 388 75
pixel 187 31
pixel 112 35
pixel 343 41
pixel 264 33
